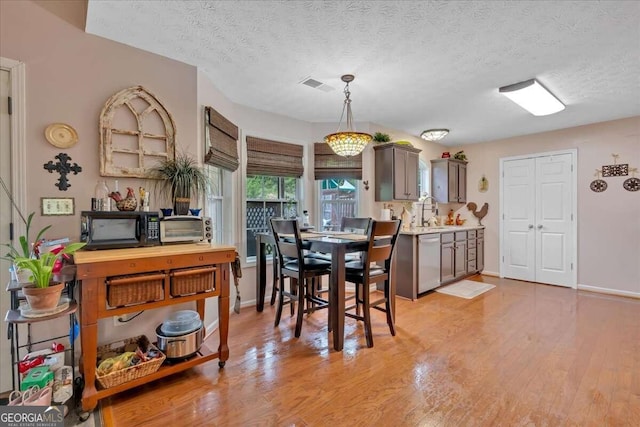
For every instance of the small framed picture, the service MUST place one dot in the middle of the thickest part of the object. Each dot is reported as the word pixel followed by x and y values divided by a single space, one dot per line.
pixel 57 206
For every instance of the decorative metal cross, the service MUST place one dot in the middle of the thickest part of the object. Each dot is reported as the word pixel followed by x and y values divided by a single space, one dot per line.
pixel 63 167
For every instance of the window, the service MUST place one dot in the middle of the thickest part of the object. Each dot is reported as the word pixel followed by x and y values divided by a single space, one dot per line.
pixel 423 179
pixel 338 198
pixel 214 201
pixel 268 196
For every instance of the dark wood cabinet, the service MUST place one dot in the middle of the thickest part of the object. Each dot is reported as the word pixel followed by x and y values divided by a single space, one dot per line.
pixel 449 180
pixel 462 254
pixel 396 172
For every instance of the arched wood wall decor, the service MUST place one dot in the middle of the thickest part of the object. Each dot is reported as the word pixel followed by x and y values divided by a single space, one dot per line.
pixel 129 149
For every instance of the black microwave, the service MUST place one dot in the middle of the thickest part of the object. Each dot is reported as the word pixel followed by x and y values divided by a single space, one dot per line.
pixel 123 229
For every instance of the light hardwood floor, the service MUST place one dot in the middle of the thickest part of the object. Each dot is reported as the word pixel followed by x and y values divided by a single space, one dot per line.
pixel 520 354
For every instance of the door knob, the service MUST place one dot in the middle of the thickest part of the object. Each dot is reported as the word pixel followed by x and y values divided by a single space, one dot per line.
pixel 530 226
pixel 539 226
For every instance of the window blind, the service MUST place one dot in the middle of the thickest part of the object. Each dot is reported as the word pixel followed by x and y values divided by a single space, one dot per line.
pixel 273 158
pixel 222 138
pixel 328 164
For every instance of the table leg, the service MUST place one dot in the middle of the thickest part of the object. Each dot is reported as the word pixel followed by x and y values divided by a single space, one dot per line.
pixel 89 340
pixel 261 272
pixel 223 315
pixel 337 302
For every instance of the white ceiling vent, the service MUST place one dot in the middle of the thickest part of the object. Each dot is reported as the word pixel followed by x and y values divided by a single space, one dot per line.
pixel 311 82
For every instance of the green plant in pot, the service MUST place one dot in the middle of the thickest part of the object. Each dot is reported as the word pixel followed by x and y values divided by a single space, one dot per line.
pixel 381 138
pixel 179 179
pixel 44 294
pixel 24 250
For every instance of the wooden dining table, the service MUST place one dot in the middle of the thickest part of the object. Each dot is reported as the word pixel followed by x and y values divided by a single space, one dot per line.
pixel 336 245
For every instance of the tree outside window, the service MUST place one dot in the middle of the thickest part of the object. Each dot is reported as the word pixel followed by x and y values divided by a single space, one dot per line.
pixel 268 196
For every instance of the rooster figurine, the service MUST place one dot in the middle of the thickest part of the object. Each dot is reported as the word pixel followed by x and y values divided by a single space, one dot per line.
pixel 129 203
pixel 478 214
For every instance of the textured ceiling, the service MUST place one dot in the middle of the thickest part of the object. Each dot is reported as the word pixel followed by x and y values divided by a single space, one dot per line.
pixel 418 65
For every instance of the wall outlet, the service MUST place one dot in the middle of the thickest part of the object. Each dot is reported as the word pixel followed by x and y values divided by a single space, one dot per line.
pixel 119 320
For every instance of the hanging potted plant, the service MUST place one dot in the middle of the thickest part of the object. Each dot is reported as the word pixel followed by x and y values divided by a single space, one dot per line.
pixel 179 179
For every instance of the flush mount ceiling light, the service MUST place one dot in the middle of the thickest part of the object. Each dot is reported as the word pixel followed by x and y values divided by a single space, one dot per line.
pixel 434 134
pixel 533 97
pixel 349 142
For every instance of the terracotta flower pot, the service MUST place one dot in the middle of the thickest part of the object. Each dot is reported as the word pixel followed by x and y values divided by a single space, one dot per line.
pixel 43 298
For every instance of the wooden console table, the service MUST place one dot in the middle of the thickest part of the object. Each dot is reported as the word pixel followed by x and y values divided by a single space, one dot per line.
pixel 93 269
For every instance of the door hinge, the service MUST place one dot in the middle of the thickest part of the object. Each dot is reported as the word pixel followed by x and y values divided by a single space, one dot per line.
pixel 571 217
pixel 571 266
pixel 503 258
pixel 11 231
pixel 571 168
pixel 9 106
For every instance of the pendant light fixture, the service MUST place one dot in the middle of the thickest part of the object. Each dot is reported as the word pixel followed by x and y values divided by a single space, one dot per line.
pixel 349 142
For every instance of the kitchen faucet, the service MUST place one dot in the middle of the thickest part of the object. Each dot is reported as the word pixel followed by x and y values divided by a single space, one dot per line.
pixel 434 208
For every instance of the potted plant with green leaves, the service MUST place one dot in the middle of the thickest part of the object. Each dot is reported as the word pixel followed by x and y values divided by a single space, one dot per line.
pixel 24 250
pixel 179 178
pixel 381 138
pixel 44 294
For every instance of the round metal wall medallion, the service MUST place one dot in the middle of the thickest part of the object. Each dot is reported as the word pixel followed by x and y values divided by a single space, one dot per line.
pixel 631 184
pixel 598 185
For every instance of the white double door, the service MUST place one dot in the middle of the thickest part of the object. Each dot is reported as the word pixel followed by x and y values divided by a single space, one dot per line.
pixel 538 218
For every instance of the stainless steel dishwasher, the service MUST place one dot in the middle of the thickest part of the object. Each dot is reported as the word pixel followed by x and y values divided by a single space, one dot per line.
pixel 428 262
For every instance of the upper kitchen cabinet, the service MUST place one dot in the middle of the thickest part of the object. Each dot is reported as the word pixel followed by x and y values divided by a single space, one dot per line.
pixel 449 180
pixel 396 172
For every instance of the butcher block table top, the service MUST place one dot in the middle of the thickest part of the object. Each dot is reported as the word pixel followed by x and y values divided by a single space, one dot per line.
pixel 105 255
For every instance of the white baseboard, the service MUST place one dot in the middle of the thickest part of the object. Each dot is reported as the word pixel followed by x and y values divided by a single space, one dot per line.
pixel 609 291
pixel 490 273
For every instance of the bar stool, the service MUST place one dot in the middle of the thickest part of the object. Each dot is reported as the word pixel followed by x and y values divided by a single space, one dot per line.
pixel 299 269
pixel 374 267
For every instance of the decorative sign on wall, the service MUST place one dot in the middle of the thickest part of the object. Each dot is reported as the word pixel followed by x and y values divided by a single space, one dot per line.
pixel 630 184
pixel 63 167
pixel 615 169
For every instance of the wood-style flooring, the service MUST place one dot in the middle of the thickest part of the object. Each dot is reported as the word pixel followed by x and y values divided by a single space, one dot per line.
pixel 522 354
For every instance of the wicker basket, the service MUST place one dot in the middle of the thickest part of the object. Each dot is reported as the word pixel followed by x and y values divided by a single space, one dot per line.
pixel 130 373
pixel 135 289
pixel 192 280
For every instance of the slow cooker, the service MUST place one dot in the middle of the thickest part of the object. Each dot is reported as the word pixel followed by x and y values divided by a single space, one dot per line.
pixel 181 335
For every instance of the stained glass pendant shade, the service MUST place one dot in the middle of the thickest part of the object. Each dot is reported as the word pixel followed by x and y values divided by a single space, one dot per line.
pixel 349 142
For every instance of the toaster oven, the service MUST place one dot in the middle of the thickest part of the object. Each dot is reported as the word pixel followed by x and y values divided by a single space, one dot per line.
pixel 185 229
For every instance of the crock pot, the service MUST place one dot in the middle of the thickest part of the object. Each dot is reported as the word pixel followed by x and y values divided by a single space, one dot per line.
pixel 180 346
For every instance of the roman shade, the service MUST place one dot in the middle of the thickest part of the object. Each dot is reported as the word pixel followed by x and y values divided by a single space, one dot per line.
pixel 328 164
pixel 222 138
pixel 274 158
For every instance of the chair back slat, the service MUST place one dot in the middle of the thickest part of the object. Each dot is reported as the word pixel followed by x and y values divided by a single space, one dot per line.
pixel 381 249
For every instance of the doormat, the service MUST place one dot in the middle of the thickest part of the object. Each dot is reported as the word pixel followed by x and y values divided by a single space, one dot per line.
pixel 466 289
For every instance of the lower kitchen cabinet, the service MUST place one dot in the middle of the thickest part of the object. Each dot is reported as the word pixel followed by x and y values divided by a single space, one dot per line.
pixel 426 261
